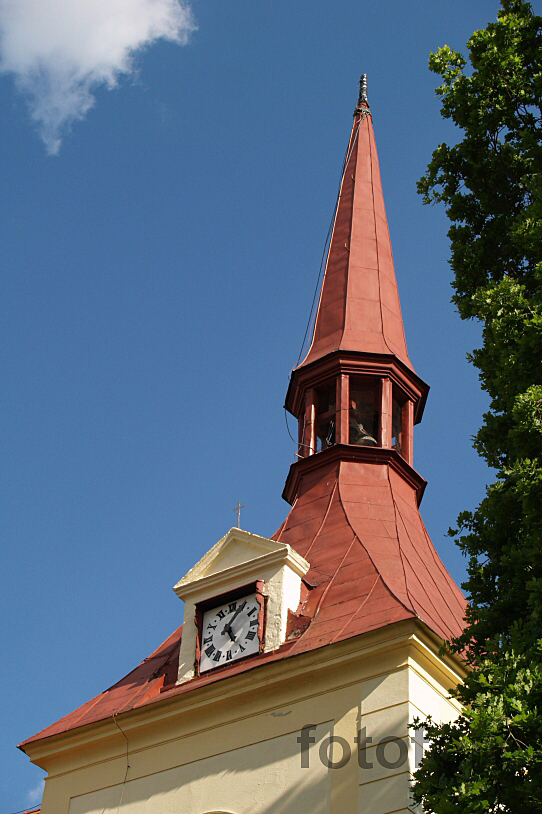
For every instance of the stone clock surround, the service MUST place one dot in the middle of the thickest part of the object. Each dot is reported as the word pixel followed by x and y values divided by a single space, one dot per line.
pixel 241 559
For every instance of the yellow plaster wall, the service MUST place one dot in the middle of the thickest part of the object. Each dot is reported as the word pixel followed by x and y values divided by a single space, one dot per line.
pixel 254 779
pixel 390 704
pixel 232 746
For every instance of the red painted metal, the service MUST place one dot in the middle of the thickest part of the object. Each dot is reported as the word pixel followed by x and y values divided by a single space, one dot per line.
pixel 343 408
pixel 407 421
pixel 359 304
pixel 355 518
pixel 385 412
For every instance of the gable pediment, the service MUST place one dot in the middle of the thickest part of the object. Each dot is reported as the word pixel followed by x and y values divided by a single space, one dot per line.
pixel 238 555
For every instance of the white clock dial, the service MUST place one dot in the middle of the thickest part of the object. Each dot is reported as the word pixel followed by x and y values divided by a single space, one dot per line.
pixel 229 632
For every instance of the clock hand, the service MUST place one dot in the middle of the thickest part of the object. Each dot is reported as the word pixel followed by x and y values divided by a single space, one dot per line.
pixel 227 629
pixel 237 612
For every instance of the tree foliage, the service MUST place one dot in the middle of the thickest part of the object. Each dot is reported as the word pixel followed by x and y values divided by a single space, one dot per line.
pixel 490 760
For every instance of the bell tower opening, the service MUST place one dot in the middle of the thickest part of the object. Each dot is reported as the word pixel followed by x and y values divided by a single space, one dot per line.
pixel 396 426
pixel 325 416
pixel 363 417
pixel 356 408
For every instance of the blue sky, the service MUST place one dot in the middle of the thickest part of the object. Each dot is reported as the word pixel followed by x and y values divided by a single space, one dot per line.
pixel 157 276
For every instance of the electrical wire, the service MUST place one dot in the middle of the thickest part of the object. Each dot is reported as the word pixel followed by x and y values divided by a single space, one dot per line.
pixel 26 810
pixel 287 426
pixel 299 444
pixel 127 763
pixel 347 157
pixel 317 286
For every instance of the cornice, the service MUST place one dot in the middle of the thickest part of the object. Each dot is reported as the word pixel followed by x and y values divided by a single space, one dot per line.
pixel 336 660
pixel 244 572
pixel 429 642
pixel 356 362
pixel 352 454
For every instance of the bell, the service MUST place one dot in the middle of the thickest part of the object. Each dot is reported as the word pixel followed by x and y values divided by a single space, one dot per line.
pixel 362 437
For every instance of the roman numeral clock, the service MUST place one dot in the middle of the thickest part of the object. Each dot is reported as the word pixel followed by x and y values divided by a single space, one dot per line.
pixel 231 631
pixel 237 602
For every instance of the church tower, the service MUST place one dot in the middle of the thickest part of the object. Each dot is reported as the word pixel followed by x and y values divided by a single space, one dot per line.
pixel 354 492
pixel 303 658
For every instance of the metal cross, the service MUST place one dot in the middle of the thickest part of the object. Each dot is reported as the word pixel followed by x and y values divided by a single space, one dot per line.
pixel 238 510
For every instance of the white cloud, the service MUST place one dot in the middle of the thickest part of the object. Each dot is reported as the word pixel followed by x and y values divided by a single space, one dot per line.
pixel 34 795
pixel 60 51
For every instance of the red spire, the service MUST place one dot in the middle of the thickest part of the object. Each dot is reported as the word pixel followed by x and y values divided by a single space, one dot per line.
pixel 359 304
pixel 353 491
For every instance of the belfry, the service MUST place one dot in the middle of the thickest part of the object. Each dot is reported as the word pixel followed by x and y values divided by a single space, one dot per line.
pixel 303 658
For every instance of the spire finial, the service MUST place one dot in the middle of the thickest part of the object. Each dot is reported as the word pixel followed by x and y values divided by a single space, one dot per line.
pixel 363 102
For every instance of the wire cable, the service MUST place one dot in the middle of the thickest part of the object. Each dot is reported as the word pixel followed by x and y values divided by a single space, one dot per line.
pixel 347 156
pixel 26 810
pixel 127 763
pixel 299 443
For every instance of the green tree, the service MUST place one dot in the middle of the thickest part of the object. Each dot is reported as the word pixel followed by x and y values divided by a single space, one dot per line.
pixel 490 760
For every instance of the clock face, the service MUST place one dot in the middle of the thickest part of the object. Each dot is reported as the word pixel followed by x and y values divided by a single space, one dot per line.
pixel 229 632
